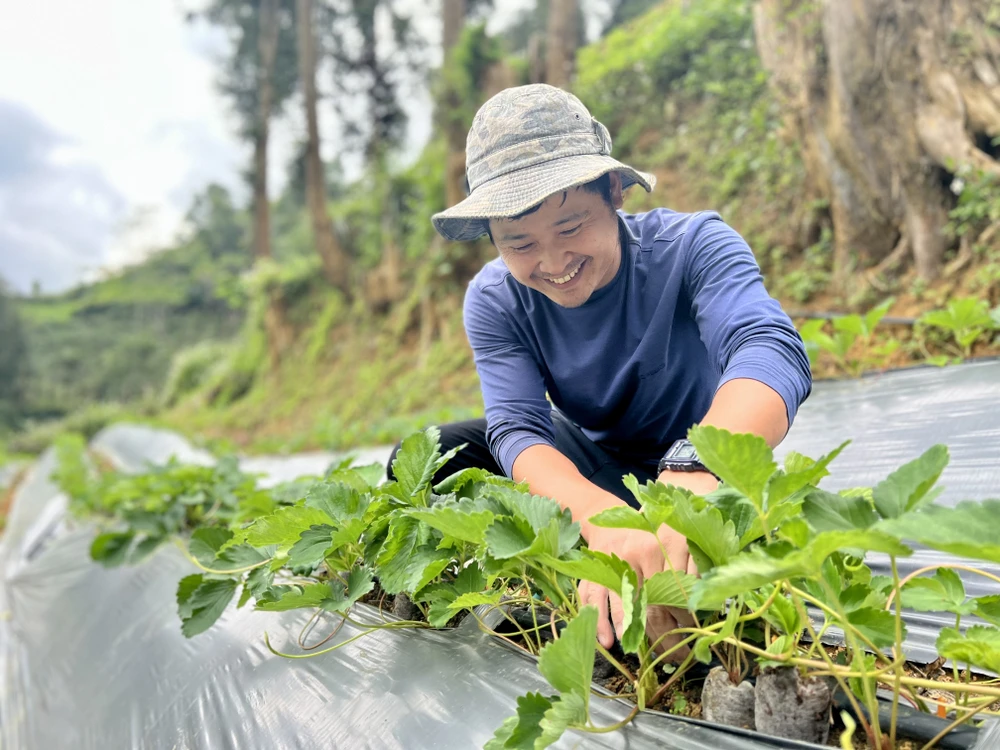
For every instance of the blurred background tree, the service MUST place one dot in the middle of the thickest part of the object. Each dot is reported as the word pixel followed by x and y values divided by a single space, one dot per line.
pixel 13 362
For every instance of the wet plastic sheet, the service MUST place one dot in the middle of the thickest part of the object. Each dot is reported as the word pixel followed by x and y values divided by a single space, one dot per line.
pixel 94 658
pixel 893 418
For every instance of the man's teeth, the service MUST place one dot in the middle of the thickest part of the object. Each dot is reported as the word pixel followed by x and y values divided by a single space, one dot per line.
pixel 568 276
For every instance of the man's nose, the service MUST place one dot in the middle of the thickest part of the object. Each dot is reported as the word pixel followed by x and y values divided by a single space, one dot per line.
pixel 554 263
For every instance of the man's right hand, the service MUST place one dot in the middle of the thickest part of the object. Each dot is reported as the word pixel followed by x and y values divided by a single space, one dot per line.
pixel 643 552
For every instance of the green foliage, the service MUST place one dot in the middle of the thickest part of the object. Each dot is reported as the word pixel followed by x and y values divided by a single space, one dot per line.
pixel 13 362
pixel 849 334
pixel 190 368
pixel 964 321
pixel 978 203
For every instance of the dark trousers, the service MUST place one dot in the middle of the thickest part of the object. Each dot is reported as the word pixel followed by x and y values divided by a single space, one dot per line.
pixel 600 464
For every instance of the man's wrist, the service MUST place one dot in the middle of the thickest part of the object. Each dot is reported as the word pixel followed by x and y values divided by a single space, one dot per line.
pixel 699 482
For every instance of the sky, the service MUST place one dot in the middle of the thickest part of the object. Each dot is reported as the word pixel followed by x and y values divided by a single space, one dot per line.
pixel 110 123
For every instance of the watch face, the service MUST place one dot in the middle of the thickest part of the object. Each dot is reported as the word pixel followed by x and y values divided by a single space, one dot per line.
pixel 685 451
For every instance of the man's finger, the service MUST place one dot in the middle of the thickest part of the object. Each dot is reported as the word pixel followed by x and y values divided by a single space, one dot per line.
pixel 692 566
pixel 617 614
pixel 591 593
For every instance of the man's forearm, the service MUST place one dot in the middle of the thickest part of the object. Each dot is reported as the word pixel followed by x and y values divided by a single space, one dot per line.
pixel 550 474
pixel 745 405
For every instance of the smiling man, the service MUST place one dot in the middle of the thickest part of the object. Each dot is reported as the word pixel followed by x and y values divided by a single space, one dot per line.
pixel 601 337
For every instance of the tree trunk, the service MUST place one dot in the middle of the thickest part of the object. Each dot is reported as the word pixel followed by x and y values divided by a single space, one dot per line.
pixel 561 42
pixel 336 266
pixel 453 19
pixel 267 50
pixel 888 99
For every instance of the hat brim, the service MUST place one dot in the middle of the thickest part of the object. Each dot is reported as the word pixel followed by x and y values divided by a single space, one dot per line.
pixel 514 193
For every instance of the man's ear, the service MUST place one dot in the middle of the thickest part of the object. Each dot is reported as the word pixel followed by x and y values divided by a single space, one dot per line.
pixel 617 198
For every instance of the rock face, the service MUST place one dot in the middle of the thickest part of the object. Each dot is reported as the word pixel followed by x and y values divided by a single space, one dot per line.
pixel 788 706
pixel 725 703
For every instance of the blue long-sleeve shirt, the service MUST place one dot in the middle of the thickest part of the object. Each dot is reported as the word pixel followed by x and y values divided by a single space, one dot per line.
pixel 638 363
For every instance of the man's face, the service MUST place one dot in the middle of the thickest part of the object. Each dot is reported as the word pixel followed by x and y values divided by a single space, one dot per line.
pixel 566 249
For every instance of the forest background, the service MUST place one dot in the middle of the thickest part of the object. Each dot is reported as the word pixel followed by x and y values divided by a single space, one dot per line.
pixel 854 145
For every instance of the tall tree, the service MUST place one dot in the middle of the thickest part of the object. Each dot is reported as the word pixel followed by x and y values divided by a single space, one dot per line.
pixel 13 362
pixel 267 51
pixel 335 262
pixel 453 19
pixel 561 42
pixel 888 99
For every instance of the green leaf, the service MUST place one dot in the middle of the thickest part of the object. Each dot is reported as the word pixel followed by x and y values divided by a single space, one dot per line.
pixel 311 548
pixel 360 581
pixel 568 662
pixel 784 485
pixel 469 601
pixel 282 528
pixel 781 614
pixel 185 588
pixel 756 568
pixel 536 510
pixel 669 588
pixel 338 500
pixel 458 520
pixel 988 607
pixel 862 663
pixel 825 511
pixel 877 625
pixel 111 550
pixel 206 542
pixel 979 646
pixel 569 710
pixel 405 564
pixel 239 557
pixel 530 710
pixel 621 517
pixel 499 739
pixel 908 486
pixel 309 596
pixel 967 530
pixel 942 593
pixel 743 461
pixel 589 565
pixel 416 460
pixel 509 537
pixel 633 616
pixel 704 527
pixel 738 509
pixel 780 646
pixel 206 604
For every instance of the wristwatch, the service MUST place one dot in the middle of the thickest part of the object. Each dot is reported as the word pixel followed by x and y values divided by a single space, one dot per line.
pixel 681 457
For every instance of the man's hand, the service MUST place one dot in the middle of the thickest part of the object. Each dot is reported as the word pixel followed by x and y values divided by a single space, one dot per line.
pixel 642 551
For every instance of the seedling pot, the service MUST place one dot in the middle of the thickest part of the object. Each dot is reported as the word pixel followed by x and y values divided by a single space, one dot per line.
pixel 722 702
pixel 791 706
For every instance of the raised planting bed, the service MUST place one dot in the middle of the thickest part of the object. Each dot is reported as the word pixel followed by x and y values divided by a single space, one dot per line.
pixel 780 561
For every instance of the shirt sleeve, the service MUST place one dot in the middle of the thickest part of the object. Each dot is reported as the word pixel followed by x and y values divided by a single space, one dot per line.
pixel 517 413
pixel 746 332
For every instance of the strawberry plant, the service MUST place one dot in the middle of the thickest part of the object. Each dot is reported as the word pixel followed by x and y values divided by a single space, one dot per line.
pixel 961 324
pixel 780 560
pixel 848 330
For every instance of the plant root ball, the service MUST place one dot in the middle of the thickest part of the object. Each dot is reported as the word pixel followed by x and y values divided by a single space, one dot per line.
pixel 792 707
pixel 725 703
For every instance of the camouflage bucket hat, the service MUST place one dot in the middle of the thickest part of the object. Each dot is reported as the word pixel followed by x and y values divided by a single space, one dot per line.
pixel 525 144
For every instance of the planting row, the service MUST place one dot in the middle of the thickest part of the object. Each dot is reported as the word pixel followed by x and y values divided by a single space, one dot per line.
pixel 780 566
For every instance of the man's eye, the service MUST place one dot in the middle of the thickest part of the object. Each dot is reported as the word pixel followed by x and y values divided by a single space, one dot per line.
pixel 523 248
pixel 571 232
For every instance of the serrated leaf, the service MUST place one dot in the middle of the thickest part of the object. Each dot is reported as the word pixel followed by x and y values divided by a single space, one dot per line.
pixel 569 710
pixel 416 461
pixel 458 520
pixel 988 607
pixel 509 537
pixel 185 588
pixel 669 588
pixel 405 564
pixel 742 461
pixel 111 549
pixel 633 616
pixel 942 593
pixel 589 565
pixel 499 739
pixel 826 511
pixel 282 528
pixel 206 542
pixel 756 568
pixel 908 486
pixel 784 484
pixel 704 527
pixel 621 517
pixel 359 582
pixel 468 601
pixel 780 646
pixel 259 580
pixel 737 508
pixel 311 548
pixel 338 500
pixel 309 596
pixel 239 557
pixel 568 662
pixel 206 604
pixel 530 710
pixel 877 625
pixel 979 646
pixel 536 510
pixel 968 529
pixel 655 499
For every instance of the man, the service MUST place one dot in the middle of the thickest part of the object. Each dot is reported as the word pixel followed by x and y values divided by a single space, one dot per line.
pixel 636 327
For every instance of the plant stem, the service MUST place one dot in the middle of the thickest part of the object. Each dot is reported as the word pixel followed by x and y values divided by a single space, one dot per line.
pixel 614 662
pixel 612 728
pixel 183 548
pixel 897 651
